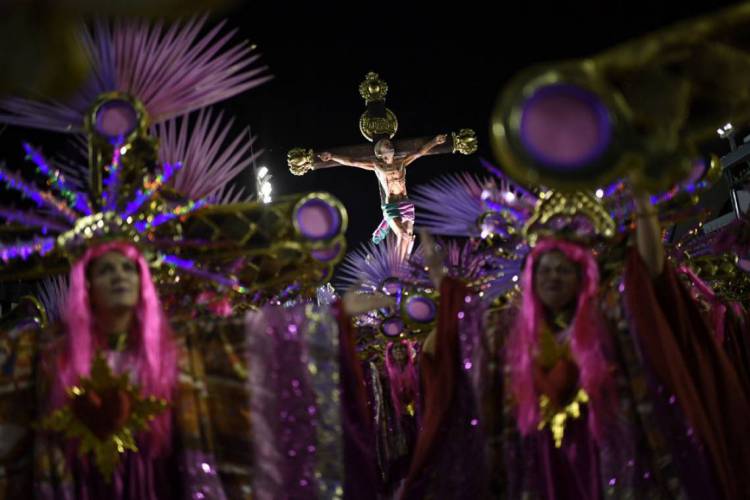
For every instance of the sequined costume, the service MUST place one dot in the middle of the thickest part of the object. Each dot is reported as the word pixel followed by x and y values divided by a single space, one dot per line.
pixel 650 449
pixel 210 413
pixel 656 425
pixel 128 440
pixel 311 424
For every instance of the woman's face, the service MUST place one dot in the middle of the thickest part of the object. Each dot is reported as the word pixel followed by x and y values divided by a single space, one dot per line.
pixel 399 354
pixel 114 282
pixel 556 281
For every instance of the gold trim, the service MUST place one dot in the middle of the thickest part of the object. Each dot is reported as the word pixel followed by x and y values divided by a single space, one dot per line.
pixel 372 126
pixel 465 141
pixel 300 160
pixel 43 316
pixel 556 419
pixel 553 204
pixel 661 92
pixel 373 88
pixel 100 149
pixel 506 123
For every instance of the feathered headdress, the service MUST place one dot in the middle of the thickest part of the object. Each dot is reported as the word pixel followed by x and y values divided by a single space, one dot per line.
pixel 159 179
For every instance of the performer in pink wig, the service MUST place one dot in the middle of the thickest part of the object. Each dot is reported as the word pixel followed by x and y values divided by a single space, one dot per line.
pixel 560 282
pixel 112 309
pixel 112 304
pixel 611 385
pixel 402 376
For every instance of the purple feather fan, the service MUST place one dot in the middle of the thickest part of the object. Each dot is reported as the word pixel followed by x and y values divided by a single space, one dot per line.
pixel 366 268
pixel 210 160
pixel 172 70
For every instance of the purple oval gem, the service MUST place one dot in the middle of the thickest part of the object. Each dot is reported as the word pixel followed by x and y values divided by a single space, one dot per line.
pixel 116 119
pixel 565 126
pixel 318 220
pixel 392 327
pixel 326 254
pixel 421 309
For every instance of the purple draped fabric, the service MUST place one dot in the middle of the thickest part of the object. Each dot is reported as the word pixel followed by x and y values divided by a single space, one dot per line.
pixel 311 425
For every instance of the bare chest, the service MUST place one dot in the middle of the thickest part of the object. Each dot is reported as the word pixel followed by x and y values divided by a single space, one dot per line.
pixel 394 173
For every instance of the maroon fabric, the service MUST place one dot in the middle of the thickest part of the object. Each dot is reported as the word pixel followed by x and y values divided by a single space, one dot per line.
pixel 571 471
pixel 138 477
pixel 687 358
pixel 439 377
pixel 359 438
pixel 737 342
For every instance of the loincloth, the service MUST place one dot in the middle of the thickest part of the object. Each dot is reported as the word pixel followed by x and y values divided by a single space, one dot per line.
pixel 403 209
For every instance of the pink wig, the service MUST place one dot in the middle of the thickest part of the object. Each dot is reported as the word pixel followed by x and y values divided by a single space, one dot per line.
pixel 587 338
pixel 403 381
pixel 156 354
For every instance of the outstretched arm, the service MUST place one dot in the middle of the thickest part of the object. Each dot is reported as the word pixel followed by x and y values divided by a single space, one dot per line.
pixel 433 259
pixel 648 234
pixel 346 161
pixel 438 140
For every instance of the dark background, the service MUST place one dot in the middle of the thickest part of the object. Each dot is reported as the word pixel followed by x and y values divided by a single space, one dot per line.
pixel 444 63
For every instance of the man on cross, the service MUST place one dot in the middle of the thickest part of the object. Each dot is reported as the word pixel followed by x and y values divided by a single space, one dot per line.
pixel 398 210
pixel 389 160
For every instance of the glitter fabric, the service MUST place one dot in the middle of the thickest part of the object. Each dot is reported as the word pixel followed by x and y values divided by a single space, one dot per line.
pixel 324 374
pixel 293 363
pixel 200 476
